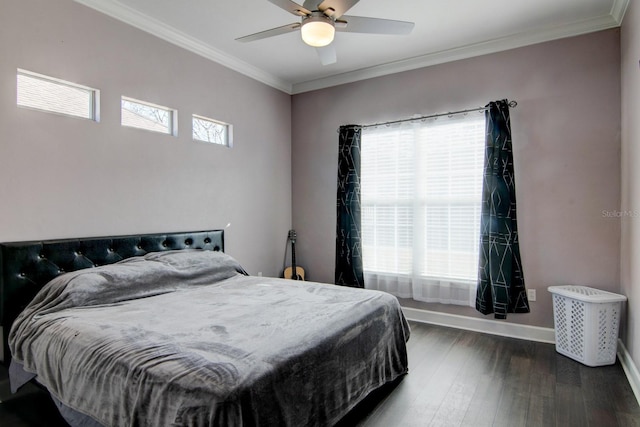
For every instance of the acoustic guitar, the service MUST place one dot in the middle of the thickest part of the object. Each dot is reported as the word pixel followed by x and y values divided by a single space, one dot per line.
pixel 289 271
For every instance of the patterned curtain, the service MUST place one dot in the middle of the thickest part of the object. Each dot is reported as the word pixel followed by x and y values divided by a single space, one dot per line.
pixel 349 271
pixel 501 287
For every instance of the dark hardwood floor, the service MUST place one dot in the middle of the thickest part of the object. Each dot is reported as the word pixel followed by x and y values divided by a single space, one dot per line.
pixel 456 378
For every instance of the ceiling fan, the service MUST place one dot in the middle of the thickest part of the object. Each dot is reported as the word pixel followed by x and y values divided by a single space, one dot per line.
pixel 321 19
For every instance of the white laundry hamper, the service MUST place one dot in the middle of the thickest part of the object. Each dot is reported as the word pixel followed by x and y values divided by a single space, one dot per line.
pixel 586 323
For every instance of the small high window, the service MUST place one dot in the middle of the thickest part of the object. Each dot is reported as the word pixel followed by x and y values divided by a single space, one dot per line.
pixel 144 115
pixel 53 95
pixel 214 131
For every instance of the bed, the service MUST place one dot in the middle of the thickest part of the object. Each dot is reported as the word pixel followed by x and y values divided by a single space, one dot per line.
pixel 168 330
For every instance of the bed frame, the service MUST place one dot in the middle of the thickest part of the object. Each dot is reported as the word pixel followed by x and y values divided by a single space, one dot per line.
pixel 25 267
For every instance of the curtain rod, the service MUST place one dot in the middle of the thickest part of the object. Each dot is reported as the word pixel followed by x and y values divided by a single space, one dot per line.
pixel 512 104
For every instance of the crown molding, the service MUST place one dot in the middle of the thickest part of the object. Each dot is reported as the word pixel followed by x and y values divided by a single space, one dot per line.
pixel 477 49
pixel 130 16
pixel 618 10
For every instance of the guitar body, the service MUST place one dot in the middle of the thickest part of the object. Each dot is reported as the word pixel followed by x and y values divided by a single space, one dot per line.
pixel 288 273
pixel 294 272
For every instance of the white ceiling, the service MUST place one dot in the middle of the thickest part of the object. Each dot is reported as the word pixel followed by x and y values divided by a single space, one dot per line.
pixel 444 31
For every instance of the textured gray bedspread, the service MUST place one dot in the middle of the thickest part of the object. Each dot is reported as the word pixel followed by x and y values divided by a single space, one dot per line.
pixel 184 338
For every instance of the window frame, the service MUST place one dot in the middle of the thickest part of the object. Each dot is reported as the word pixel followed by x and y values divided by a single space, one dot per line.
pixel 94 95
pixel 172 114
pixel 418 206
pixel 228 134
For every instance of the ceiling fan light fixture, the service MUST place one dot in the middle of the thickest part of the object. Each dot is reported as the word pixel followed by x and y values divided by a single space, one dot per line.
pixel 317 30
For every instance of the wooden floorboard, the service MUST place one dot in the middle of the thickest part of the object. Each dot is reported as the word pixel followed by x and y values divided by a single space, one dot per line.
pixel 461 378
pixel 456 378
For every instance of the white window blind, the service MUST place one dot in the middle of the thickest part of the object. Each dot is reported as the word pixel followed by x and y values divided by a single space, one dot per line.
pixel 421 195
pixel 53 95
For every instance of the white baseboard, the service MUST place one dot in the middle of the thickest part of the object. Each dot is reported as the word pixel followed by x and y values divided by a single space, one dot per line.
pixel 513 330
pixel 630 369
pixel 494 327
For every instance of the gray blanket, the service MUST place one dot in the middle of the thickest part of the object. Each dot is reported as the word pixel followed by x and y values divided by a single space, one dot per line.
pixel 184 338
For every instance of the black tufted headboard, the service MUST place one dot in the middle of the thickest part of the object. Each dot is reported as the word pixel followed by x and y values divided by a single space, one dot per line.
pixel 25 267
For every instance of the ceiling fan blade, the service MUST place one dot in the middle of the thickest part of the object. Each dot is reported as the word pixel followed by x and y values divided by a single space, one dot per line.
pixel 270 33
pixel 336 8
pixel 361 24
pixel 327 54
pixel 311 4
pixel 291 7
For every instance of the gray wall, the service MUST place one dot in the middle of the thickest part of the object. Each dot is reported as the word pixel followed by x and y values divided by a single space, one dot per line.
pixel 630 248
pixel 66 177
pixel 566 137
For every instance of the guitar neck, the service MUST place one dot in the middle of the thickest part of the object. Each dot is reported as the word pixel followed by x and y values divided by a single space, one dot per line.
pixel 297 273
pixel 293 259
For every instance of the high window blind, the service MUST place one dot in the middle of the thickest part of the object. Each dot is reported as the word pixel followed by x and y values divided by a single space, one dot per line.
pixel 421 201
pixel 45 93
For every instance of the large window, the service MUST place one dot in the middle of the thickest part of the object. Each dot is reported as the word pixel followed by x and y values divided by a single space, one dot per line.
pixel 421 200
